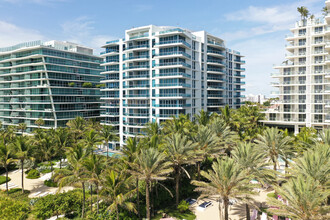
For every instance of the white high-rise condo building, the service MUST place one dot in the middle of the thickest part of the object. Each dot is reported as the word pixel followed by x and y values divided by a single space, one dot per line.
pixel 157 72
pixel 56 81
pixel 304 78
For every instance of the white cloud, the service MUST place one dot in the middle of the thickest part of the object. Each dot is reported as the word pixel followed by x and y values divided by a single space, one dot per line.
pixel 11 34
pixel 82 31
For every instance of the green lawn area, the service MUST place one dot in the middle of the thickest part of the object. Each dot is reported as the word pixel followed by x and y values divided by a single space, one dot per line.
pixel 3 179
pixel 172 212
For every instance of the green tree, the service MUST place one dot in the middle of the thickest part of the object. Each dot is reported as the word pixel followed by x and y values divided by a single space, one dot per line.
pixel 274 144
pixel 303 12
pixel 21 127
pixel 305 139
pixel 6 159
pixel 254 162
pixel 226 114
pixel 150 165
pixel 304 199
pixel 94 166
pixel 48 147
pixel 91 139
pixel 108 135
pixel 207 145
pixel 116 188
pixel 23 152
pixel 76 173
pixel 62 141
pixel 179 151
pixel 39 122
pixel 324 137
pixel 180 124
pixel 203 118
pixel 227 180
pixel 77 126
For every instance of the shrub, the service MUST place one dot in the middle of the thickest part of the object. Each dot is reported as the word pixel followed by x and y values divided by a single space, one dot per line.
pixel 50 183
pixel 87 85
pixel 58 204
pixel 271 195
pixel 71 84
pixel 47 170
pixel 33 174
pixel 100 85
pixel 12 209
pixel 3 179
pixel 183 206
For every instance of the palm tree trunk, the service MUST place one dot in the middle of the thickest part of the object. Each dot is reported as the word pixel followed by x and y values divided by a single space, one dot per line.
pixel 199 170
pixel 7 180
pixel 107 146
pixel 138 197
pixel 148 199
pixel 61 162
pixel 247 211
pixel 91 198
pixel 226 208
pixel 220 209
pixel 83 206
pixel 177 182
pixel 97 199
pixel 22 166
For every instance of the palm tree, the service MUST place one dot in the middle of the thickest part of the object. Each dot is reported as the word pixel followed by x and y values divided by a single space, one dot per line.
pixel 76 173
pixel 47 147
pixel 23 152
pixel 151 129
pixel 77 126
pixel 94 166
pixel 207 144
pixel 39 122
pixel 203 118
pixel 181 124
pixel 150 165
pixel 254 162
pixel 6 159
pixel 91 139
pixel 303 12
pixel 274 144
pixel 304 199
pixel 324 11
pixel 227 180
pixel 21 127
pixel 116 187
pixel 179 151
pixel 324 137
pixel 130 151
pixel 315 164
pixel 305 139
pixel 108 135
pixel 62 141
pixel 226 114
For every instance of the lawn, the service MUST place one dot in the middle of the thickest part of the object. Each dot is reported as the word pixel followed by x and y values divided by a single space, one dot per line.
pixel 3 179
pixel 172 212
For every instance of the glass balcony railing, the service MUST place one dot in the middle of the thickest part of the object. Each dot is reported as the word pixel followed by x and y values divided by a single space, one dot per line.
pixel 174 42
pixel 136 95
pixel 136 86
pixel 173 95
pixel 136 67
pixel 216 78
pixel 136 57
pixel 215 70
pixel 136 105
pixel 173 53
pixel 173 84
pixel 137 46
pixel 112 42
pixel 216 52
pixel 136 76
pixel 216 43
pixel 139 36
pixel 216 61
pixel 137 114
pixel 171 105
pixel 174 64
pixel 172 74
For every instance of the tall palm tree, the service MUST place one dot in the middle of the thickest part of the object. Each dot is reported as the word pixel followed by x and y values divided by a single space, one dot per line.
pixel 23 152
pixel 94 166
pixel 180 124
pixel 304 199
pixel 91 139
pixel 150 165
pixel 315 164
pixel 76 173
pixel 6 159
pixel 152 128
pixel 274 144
pixel 207 144
pixel 116 187
pixel 130 152
pixel 39 122
pixel 108 135
pixel 227 180
pixel 21 127
pixel 48 147
pixel 62 141
pixel 77 126
pixel 179 151
pixel 305 139
pixel 254 162
pixel 303 12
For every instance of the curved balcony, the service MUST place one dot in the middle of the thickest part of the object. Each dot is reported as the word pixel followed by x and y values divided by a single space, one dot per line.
pixel 137 47
pixel 132 77
pixel 173 43
pixel 173 64
pixel 109 52
pixel 135 86
pixel 173 85
pixel 215 70
pixel 173 54
pixel 137 67
pixel 171 105
pixel 172 75
pixel 136 114
pixel 216 53
pixel 173 95
pixel 216 44
pixel 215 62
pixel 136 58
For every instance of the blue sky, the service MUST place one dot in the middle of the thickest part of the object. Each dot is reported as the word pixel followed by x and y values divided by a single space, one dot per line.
pixel 255 27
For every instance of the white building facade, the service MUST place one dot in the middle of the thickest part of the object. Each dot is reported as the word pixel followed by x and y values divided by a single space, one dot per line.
pixel 157 72
pixel 304 78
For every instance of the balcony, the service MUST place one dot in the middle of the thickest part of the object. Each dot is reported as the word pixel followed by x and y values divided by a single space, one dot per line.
pixel 173 85
pixel 139 36
pixel 172 74
pixel 112 42
pixel 216 52
pixel 218 70
pixel 136 95
pixel 174 53
pixel 174 42
pixel 136 86
pixel 136 105
pixel 216 43
pixel 173 95
pixel 136 76
pixel 136 67
pixel 173 64
pixel 142 46
pixel 137 114
pixel 216 62
pixel 136 57
pixel 171 105
pixel 216 78
pixel 109 51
